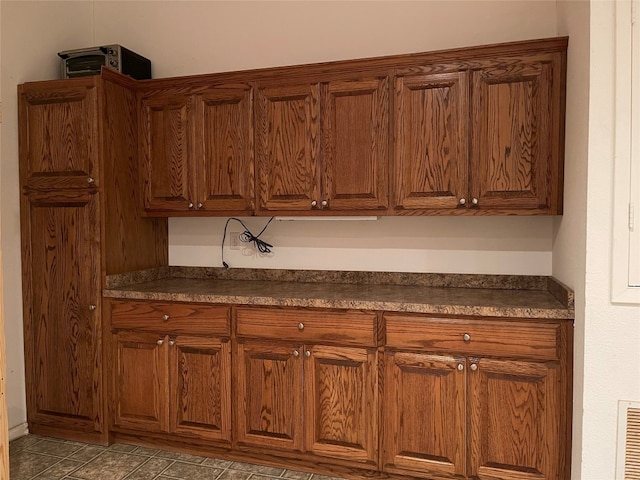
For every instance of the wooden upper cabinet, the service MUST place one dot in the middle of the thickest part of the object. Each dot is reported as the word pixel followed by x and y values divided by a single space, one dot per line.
pixel 515 134
pixel 166 147
pixel 355 147
pixel 288 146
pixel 483 137
pixel 225 181
pixel 323 146
pixel 59 139
pixel 430 163
pixel 197 151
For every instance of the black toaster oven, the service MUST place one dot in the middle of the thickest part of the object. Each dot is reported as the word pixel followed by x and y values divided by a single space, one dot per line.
pixel 89 61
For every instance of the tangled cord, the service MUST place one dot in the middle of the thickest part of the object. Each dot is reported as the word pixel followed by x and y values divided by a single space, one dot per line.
pixel 248 237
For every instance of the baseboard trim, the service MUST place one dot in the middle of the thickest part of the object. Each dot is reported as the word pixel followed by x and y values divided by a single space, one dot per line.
pixel 19 431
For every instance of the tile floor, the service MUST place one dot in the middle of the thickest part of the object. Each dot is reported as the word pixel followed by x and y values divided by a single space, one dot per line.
pixel 42 458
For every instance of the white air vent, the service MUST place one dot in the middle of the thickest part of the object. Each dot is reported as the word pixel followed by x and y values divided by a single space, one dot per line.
pixel 628 467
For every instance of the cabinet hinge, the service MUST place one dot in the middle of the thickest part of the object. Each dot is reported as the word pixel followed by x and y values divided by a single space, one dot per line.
pixel 631 217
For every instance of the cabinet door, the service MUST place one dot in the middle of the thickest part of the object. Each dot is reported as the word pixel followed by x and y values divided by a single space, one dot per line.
pixel 61 282
pixel 225 171
pixel 269 390
pixel 431 149
pixel 167 151
pixel 59 142
pixel 341 402
pixel 355 146
pixel 514 420
pixel 141 378
pixel 515 135
pixel 424 414
pixel 288 146
pixel 200 370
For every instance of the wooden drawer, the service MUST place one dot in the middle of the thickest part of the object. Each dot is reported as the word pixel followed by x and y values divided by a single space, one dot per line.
pixel 345 327
pixel 513 338
pixel 171 318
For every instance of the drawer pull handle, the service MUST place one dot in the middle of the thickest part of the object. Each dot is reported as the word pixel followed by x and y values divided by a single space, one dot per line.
pixel 301 326
pixel 165 317
pixel 160 342
pixel 307 353
pixel 473 367
pixel 92 307
pixel 460 367
pixel 296 353
pixel 172 343
pixel 466 337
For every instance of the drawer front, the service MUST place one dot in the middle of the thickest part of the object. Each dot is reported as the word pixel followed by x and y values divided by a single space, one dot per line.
pixel 346 327
pixel 171 318
pixel 538 339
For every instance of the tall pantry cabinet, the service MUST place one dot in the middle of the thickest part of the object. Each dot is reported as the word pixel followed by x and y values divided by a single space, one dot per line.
pixel 79 222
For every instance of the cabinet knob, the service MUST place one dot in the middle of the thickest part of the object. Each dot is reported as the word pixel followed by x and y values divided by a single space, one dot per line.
pixel 460 367
pixel 474 367
pixel 301 326
pixel 324 203
pixel 92 307
pixel 307 353
pixel 160 342
pixel 474 201
pixel 466 337
pixel 462 201
pixel 172 342
pixel 199 205
pixel 90 180
pixel 313 203
pixel 296 353
pixel 190 205
pixel 165 317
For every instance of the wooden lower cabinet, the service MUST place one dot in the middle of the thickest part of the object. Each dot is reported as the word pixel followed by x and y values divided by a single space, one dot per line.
pixel 443 398
pixel 317 399
pixel 473 415
pixel 178 384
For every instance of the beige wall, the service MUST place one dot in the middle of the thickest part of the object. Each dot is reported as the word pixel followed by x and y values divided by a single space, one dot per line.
pixel 184 37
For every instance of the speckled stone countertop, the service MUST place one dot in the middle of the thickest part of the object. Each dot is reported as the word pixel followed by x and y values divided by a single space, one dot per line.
pixel 442 294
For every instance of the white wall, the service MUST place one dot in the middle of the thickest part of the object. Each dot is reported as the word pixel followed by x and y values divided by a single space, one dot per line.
pixel 197 37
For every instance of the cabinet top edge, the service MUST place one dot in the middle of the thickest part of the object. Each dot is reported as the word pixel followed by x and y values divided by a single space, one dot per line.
pixel 475 52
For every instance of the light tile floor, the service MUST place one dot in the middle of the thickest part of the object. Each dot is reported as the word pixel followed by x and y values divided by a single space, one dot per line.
pixel 33 457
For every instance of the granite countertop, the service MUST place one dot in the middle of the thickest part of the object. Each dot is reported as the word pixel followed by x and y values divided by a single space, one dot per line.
pixel 442 294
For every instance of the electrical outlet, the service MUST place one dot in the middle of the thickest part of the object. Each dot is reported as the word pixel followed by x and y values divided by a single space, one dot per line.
pixel 234 240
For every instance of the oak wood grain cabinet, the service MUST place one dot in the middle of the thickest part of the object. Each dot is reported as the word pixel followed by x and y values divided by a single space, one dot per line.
pixel 79 222
pixel 477 399
pixel 197 149
pixel 307 381
pixel 171 369
pixel 323 147
pixel 481 136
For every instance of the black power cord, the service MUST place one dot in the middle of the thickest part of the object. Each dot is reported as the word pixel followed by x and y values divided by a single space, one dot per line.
pixel 248 237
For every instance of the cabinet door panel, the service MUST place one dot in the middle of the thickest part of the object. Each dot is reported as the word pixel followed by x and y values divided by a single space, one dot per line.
pixel 341 402
pixel 201 387
pixel 269 412
pixel 424 414
pixel 140 384
pixel 59 139
pixel 512 135
pixel 166 148
pixel 227 150
pixel 287 146
pixel 61 262
pixel 355 126
pixel 431 140
pixel 514 420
